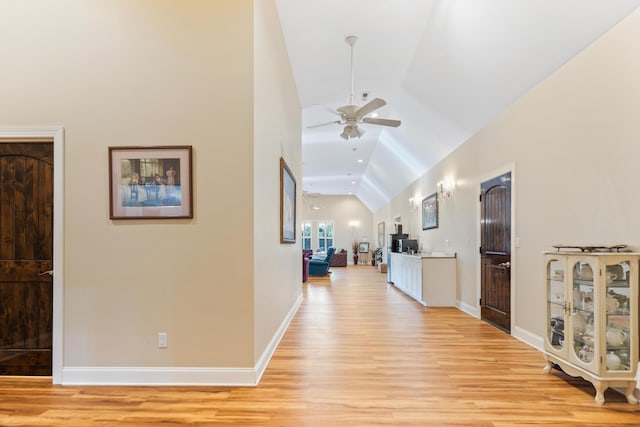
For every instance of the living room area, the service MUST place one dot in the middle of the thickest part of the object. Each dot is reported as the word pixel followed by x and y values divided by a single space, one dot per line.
pixel 343 223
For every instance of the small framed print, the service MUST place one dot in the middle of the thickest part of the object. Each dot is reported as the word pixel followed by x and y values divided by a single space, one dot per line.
pixel 287 204
pixel 381 234
pixel 430 212
pixel 150 182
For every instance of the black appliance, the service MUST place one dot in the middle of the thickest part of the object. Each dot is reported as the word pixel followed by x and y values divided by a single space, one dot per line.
pixel 408 245
pixel 393 241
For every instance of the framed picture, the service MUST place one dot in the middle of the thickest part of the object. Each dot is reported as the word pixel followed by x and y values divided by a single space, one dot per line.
pixel 287 204
pixel 150 182
pixel 430 212
pixel 363 248
pixel 381 234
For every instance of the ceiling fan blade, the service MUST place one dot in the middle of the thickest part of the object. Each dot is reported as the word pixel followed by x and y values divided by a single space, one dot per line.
pixel 331 110
pixel 369 107
pixel 347 110
pixel 323 124
pixel 382 122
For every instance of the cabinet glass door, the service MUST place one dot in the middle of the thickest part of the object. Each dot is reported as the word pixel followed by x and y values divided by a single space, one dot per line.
pixel 582 315
pixel 618 316
pixel 556 304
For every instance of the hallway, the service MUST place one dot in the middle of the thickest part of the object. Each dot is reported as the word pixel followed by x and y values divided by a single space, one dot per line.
pixel 358 353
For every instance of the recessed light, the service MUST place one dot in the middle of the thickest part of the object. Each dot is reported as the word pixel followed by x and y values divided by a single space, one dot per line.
pixel 360 160
pixel 353 182
pixel 374 114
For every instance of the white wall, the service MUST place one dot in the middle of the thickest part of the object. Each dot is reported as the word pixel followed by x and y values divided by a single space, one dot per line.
pixel 277 118
pixel 573 141
pixel 342 210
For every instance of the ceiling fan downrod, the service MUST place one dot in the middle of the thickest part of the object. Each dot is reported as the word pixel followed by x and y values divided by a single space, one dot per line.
pixel 351 40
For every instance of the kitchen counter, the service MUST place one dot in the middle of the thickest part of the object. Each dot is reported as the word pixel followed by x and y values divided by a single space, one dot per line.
pixel 431 255
pixel 428 277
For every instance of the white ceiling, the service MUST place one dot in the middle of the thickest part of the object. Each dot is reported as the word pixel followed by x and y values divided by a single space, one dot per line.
pixel 445 67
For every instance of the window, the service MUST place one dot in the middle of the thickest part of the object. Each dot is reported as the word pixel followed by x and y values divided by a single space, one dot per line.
pixel 325 235
pixel 306 235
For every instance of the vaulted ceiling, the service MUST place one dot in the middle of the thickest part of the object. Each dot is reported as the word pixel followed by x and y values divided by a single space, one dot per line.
pixel 446 68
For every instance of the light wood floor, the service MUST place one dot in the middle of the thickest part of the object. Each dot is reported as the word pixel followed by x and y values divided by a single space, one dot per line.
pixel 358 353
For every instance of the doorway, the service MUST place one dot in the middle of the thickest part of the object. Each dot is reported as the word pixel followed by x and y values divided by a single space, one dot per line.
pixel 495 251
pixel 31 226
pixel 26 257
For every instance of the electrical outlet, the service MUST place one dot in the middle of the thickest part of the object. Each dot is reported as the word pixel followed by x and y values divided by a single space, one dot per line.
pixel 162 340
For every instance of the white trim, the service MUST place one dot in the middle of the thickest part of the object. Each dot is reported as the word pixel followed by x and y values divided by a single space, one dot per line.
pixel 56 133
pixel 180 376
pixel 159 376
pixel 527 337
pixel 469 309
pixel 514 265
pixel 262 363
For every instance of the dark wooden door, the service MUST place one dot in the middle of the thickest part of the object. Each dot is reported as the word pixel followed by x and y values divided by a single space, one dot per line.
pixel 495 252
pixel 26 251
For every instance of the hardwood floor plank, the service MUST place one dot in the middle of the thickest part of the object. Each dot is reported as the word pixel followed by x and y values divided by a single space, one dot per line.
pixel 358 353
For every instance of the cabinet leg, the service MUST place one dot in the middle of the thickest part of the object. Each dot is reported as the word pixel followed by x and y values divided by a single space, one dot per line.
pixel 631 398
pixel 600 388
pixel 547 365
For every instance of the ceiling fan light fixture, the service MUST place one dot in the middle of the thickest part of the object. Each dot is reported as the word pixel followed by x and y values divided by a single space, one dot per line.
pixel 351 131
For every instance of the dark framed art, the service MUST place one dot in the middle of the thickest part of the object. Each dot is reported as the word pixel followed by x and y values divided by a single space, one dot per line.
pixel 363 248
pixel 430 212
pixel 150 182
pixel 287 204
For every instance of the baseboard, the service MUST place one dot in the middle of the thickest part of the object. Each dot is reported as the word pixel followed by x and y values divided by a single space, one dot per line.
pixel 523 335
pixel 470 310
pixel 267 354
pixel 179 376
pixel 527 337
pixel 158 376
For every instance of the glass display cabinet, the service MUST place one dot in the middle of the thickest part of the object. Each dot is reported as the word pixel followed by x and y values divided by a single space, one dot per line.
pixel 592 318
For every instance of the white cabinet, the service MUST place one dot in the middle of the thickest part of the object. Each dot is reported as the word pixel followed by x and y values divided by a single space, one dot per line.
pixel 429 279
pixel 592 318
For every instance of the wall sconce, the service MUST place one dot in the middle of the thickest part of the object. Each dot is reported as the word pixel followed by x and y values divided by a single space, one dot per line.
pixel 445 187
pixel 414 202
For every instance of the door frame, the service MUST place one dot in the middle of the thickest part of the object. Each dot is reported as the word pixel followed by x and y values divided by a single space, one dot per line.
pixel 514 241
pixel 56 135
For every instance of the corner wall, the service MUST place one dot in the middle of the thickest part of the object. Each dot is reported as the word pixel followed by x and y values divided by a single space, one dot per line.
pixel 151 72
pixel 277 129
pixel 573 141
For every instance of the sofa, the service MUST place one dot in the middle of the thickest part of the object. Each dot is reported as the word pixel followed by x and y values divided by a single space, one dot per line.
pixel 320 267
pixel 339 259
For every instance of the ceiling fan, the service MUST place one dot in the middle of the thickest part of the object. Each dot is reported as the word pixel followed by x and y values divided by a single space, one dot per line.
pixel 351 115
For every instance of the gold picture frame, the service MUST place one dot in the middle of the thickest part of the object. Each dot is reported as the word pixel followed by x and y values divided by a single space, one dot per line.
pixel 287 204
pixel 150 182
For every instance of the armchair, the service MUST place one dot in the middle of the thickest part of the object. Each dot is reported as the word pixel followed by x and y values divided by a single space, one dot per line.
pixel 320 267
